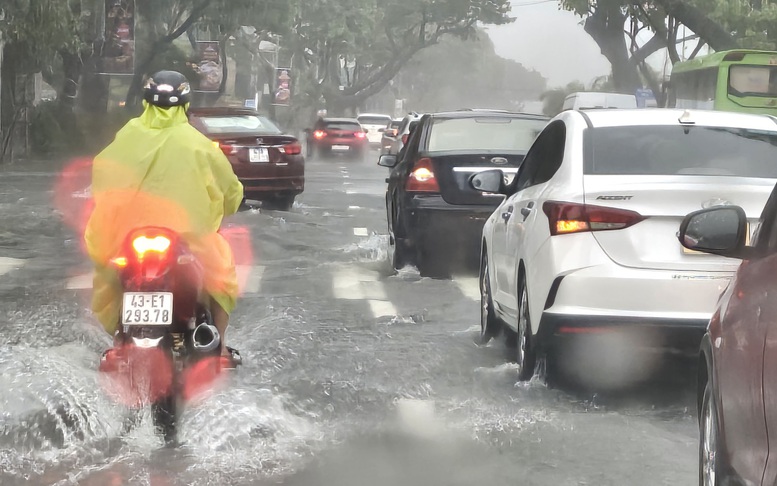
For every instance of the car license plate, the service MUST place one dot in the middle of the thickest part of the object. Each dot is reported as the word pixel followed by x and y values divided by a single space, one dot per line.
pixel 258 155
pixel 147 309
pixel 340 147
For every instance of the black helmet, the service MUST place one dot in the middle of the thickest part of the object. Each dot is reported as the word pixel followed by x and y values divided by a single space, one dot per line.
pixel 166 89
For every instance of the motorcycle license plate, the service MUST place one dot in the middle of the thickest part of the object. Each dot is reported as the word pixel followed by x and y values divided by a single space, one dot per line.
pixel 258 155
pixel 147 309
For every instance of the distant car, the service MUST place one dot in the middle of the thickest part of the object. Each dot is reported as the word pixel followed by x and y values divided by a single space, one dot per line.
pixel 268 162
pixel 331 136
pixel 587 100
pixel 403 133
pixel 737 385
pixel 585 244
pixel 434 218
pixel 373 123
pixel 390 134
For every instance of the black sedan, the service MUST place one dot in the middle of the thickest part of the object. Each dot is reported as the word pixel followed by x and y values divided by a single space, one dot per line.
pixel 434 218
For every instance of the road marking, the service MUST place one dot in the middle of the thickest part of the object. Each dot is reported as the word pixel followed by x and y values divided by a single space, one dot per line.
pixel 360 232
pixel 80 282
pixel 417 417
pixel 469 286
pixel 382 308
pixel 353 207
pixel 10 264
pixel 347 183
pixel 359 284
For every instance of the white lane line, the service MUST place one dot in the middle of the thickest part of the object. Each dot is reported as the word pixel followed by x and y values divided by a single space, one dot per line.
pixel 360 232
pixel 251 276
pixel 353 207
pixel 382 308
pixel 469 286
pixel 359 284
pixel 10 264
pixel 346 284
pixel 80 282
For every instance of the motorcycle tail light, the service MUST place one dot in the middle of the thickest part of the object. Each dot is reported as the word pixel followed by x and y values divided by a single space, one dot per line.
pixel 144 244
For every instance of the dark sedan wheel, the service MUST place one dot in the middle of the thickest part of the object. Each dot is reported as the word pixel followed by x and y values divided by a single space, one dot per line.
pixel 432 264
pixel 524 355
pixel 709 459
pixel 280 203
pixel 489 323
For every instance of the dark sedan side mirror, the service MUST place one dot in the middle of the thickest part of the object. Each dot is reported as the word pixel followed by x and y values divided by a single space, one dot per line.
pixel 387 160
pixel 492 181
pixel 721 230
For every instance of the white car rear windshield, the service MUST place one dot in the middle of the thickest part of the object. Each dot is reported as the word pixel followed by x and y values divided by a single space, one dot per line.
pixel 374 120
pixel 679 150
pixel 239 124
pixel 490 134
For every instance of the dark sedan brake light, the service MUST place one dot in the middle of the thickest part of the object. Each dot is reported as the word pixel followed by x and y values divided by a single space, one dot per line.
pixel 294 148
pixel 359 134
pixel 319 134
pixel 422 178
pixel 228 149
pixel 565 217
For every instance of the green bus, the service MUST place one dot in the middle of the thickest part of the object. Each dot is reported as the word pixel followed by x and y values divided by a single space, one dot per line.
pixel 737 80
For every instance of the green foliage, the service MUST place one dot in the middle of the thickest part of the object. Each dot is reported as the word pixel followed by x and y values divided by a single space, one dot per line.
pixel 553 99
pixel 38 28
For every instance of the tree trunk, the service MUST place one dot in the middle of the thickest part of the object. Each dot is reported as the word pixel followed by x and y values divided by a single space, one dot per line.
pixel 605 26
pixel 696 20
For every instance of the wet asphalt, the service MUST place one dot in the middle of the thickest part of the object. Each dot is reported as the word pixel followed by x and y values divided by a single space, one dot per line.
pixel 352 375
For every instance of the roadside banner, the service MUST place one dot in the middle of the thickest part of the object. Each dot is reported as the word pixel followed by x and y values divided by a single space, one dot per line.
pixel 118 51
pixel 282 96
pixel 208 66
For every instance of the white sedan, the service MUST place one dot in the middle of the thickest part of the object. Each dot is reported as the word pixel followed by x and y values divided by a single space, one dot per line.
pixel 585 241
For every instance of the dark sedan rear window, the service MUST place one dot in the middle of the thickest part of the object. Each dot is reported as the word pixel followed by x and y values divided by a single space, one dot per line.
pixel 677 150
pixel 483 134
pixel 344 126
pixel 239 124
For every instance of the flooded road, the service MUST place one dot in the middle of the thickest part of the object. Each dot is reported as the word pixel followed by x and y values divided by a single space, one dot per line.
pixel 351 375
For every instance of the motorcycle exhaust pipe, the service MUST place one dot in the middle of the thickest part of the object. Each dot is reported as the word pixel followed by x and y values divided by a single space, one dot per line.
pixel 206 338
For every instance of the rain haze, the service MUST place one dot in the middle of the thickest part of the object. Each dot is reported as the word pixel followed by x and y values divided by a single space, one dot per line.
pixel 358 242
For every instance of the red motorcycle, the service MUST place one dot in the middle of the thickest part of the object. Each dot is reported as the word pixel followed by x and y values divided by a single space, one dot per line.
pixel 167 349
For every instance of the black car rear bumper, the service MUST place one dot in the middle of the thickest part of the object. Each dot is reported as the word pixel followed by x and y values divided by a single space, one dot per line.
pixel 430 222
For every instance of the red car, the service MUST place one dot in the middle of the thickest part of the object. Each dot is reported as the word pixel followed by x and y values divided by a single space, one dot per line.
pixel 332 136
pixel 268 162
pixel 737 393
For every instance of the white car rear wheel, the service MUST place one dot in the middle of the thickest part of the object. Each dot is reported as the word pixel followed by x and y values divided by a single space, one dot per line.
pixel 524 355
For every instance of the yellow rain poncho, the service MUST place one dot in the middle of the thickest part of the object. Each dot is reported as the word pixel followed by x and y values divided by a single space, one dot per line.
pixel 160 171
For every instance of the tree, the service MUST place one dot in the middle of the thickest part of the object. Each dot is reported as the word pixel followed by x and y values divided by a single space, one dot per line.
pixel 374 40
pixel 553 99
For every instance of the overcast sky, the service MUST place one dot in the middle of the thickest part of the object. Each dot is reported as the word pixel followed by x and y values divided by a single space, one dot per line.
pixel 550 41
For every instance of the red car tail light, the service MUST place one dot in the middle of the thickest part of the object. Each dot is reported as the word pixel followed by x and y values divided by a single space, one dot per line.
pixel 228 149
pixel 294 148
pixel 422 178
pixel 360 134
pixel 565 218
pixel 319 134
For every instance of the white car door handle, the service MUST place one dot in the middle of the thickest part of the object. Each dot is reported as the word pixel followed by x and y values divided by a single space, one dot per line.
pixel 507 214
pixel 526 212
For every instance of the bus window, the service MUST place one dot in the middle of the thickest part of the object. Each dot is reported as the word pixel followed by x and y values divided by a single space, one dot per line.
pixel 752 80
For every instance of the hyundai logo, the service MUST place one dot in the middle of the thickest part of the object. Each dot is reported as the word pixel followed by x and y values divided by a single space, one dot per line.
pixel 499 161
pixel 259 141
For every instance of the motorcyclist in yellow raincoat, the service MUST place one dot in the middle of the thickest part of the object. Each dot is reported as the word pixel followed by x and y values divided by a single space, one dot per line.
pixel 160 171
